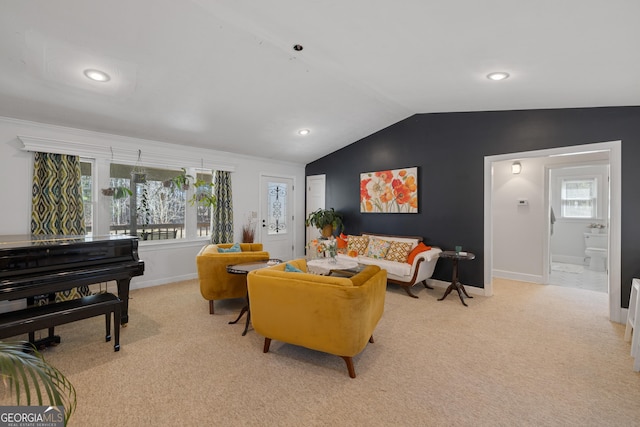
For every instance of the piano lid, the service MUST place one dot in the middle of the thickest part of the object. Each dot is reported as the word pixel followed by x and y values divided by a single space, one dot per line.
pixel 26 254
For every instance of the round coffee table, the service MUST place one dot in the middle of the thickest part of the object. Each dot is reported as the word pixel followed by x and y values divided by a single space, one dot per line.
pixel 324 266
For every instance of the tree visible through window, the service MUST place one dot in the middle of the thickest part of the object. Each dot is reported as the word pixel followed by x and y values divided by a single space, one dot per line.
pixel 579 198
pixel 159 204
pixel 86 180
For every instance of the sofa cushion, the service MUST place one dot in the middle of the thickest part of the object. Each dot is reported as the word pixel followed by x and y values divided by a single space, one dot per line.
pixel 358 243
pixel 412 240
pixel 420 248
pixel 398 251
pixel 234 248
pixel 398 269
pixel 290 268
pixel 209 249
pixel 377 248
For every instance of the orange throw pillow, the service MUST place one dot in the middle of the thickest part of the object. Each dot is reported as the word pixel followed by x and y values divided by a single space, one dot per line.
pixel 420 248
pixel 342 243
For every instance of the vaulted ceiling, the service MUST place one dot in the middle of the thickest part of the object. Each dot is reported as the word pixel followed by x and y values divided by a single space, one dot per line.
pixel 223 74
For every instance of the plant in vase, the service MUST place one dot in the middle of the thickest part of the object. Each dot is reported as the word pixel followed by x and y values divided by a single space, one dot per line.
pixel 326 247
pixel 249 229
pixel 596 227
pixel 325 220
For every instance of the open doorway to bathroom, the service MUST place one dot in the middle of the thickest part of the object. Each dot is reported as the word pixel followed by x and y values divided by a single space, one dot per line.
pixel 517 216
pixel 578 194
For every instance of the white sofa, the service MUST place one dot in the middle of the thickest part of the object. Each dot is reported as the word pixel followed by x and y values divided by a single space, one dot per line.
pixel 401 273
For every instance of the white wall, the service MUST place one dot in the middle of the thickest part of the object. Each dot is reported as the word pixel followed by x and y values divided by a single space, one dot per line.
pixel 518 230
pixel 165 261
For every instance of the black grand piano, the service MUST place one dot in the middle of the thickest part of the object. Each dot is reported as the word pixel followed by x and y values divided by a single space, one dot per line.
pixel 32 265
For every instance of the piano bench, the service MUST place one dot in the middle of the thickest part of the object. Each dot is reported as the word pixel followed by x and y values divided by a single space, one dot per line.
pixel 31 319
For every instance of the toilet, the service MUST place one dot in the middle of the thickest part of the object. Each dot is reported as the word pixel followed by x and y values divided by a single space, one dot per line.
pixel 596 250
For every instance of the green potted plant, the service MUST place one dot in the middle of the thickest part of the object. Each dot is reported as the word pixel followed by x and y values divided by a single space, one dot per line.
pixel 27 373
pixel 325 220
pixel 117 192
pixel 182 180
pixel 203 195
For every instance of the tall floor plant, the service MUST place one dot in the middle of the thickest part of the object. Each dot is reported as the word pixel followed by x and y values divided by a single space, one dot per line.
pixel 27 373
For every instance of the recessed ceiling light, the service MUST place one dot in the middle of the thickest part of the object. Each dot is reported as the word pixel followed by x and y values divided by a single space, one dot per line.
pixel 501 75
pixel 297 47
pixel 304 132
pixel 97 75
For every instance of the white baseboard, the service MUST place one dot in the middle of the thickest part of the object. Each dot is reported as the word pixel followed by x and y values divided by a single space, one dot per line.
pixel 569 259
pixel 163 281
pixel 521 277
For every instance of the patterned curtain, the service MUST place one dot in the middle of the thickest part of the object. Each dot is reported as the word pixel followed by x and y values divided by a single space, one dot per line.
pixel 56 203
pixel 222 221
pixel 57 195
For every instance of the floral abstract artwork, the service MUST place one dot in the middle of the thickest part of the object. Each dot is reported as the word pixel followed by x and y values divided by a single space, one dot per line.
pixel 389 191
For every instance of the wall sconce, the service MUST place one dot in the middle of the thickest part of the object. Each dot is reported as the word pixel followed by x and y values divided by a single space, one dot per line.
pixel 516 168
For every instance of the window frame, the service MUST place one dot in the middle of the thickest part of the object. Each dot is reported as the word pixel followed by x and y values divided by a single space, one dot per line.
pixel 594 199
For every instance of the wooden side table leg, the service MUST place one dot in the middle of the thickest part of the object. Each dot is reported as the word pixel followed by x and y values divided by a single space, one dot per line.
pixel 458 287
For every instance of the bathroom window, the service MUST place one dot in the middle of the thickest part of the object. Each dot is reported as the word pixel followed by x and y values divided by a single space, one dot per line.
pixel 579 198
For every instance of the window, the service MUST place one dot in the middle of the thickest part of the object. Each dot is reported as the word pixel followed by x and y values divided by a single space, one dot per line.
pixel 154 206
pixel 86 181
pixel 579 198
pixel 203 211
pixel 277 208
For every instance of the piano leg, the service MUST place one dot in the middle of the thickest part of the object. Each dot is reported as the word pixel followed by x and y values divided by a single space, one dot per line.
pixel 123 294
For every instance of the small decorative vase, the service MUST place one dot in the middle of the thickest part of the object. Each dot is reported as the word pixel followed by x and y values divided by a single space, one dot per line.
pixel 595 231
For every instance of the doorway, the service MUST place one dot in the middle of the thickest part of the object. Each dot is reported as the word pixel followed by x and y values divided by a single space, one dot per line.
pixel 276 216
pixel 615 161
pixel 316 191
pixel 578 196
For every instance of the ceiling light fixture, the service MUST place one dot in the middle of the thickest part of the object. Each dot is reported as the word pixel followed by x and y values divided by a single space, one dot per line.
pixel 297 47
pixel 97 75
pixel 304 132
pixel 500 75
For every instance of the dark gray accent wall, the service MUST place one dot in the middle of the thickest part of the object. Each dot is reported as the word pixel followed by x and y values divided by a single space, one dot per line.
pixel 449 150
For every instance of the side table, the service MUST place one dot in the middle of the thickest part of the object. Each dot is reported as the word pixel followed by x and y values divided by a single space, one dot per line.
pixel 245 268
pixel 455 283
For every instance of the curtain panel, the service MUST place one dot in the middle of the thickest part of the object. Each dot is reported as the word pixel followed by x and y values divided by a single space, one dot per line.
pixel 56 204
pixel 222 222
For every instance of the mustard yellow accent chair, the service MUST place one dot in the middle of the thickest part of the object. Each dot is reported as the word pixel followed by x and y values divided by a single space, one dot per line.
pixel 336 315
pixel 215 282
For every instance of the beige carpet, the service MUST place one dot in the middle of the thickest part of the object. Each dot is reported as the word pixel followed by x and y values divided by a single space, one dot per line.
pixel 531 355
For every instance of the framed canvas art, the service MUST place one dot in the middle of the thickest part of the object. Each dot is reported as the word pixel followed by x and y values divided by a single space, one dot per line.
pixel 389 191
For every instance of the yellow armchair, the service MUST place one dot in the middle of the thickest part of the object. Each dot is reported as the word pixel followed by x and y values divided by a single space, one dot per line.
pixel 215 282
pixel 336 315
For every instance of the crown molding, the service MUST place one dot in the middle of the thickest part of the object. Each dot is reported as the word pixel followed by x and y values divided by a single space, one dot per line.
pixel 145 155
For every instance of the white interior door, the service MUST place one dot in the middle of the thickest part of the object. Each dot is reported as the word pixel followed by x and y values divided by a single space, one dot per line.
pixel 276 216
pixel 316 185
